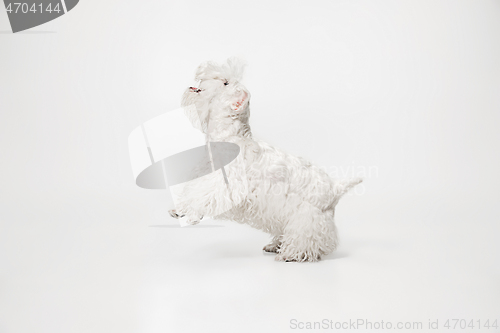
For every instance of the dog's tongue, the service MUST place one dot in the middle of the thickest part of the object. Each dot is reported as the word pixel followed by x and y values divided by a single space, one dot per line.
pixel 194 89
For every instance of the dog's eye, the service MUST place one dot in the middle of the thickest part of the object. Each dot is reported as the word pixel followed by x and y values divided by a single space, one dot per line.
pixel 226 83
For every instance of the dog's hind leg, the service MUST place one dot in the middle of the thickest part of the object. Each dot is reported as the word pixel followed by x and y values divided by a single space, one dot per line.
pixel 309 234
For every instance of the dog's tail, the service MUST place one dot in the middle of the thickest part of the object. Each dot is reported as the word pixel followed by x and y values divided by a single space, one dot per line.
pixel 343 186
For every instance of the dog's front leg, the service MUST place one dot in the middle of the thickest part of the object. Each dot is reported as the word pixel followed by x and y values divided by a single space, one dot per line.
pixel 214 193
pixel 206 196
pixel 191 218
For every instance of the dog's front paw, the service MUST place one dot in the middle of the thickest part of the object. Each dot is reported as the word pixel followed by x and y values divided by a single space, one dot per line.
pixel 193 219
pixel 174 214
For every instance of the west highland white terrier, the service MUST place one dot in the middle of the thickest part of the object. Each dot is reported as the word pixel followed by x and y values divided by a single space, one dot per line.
pixel 283 195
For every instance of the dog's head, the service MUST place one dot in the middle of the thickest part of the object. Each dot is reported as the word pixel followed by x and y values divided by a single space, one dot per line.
pixel 219 97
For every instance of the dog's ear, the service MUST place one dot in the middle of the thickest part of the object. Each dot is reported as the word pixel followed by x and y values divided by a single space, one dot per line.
pixel 240 103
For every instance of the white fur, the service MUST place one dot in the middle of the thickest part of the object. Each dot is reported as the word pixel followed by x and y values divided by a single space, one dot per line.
pixel 278 193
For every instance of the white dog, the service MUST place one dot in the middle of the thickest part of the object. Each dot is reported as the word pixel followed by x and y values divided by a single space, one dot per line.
pixel 268 189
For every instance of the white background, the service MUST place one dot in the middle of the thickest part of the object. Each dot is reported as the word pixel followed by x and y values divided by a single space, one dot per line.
pixel 410 89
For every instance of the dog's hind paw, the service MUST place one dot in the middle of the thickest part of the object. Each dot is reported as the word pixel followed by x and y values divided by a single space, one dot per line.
pixel 297 258
pixel 280 257
pixel 271 248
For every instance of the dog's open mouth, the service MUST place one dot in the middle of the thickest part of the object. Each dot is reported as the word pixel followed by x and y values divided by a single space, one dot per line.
pixel 194 89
